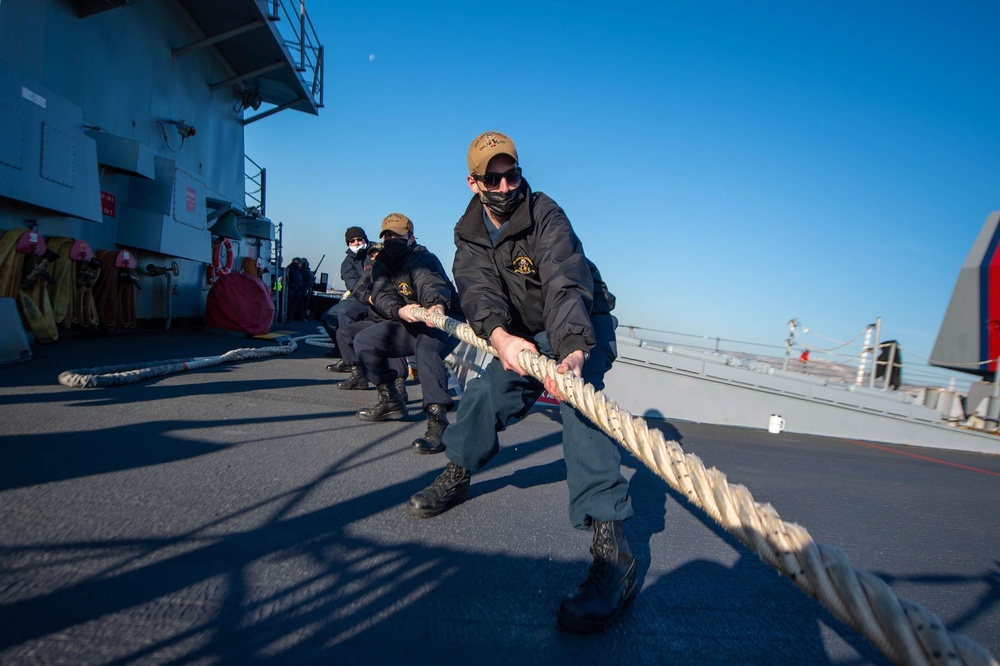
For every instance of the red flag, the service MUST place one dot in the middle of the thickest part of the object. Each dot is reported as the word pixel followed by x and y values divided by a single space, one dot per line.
pixel 804 357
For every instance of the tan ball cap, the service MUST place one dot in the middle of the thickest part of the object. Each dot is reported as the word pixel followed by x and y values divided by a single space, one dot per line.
pixel 397 223
pixel 485 147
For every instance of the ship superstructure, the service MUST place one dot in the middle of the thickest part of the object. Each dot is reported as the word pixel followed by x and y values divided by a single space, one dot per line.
pixel 123 130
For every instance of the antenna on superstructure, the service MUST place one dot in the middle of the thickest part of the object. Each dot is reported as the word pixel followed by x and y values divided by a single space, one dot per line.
pixel 790 340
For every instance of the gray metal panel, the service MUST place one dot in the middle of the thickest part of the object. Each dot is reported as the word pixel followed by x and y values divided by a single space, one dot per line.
pixel 51 164
pixel 166 214
pixel 148 230
pixel 662 393
pixel 58 149
pixel 154 195
pixel 125 155
pixel 11 136
pixel 257 227
pixel 189 200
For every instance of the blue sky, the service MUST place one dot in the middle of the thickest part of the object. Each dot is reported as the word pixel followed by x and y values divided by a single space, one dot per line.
pixel 728 165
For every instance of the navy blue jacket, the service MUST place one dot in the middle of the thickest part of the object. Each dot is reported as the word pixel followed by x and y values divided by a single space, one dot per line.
pixel 411 275
pixel 536 279
pixel 352 266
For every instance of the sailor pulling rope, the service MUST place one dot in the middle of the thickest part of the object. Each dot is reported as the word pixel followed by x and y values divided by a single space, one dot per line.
pixel 904 631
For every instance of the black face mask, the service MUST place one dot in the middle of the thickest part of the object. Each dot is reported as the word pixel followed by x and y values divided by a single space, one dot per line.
pixel 393 248
pixel 502 204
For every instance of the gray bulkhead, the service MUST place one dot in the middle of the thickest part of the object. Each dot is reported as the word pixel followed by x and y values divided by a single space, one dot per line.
pixel 96 103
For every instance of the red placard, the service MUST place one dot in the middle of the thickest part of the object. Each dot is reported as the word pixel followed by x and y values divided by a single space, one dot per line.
pixel 107 204
pixel 191 200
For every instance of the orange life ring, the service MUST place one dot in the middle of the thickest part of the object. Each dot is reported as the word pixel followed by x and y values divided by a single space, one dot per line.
pixel 217 256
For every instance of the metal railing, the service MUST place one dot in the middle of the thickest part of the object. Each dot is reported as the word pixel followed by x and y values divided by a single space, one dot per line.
pixel 839 366
pixel 254 185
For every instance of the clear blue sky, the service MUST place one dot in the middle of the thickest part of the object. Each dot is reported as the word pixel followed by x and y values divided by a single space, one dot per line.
pixel 728 165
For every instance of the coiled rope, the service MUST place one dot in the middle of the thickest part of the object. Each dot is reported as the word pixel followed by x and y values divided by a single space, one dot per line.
pixel 903 631
pixel 320 340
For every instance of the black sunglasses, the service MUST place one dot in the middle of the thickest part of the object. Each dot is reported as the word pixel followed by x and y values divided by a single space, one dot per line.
pixel 491 180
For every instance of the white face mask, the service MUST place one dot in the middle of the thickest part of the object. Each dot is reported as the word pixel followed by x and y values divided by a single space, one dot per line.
pixel 357 248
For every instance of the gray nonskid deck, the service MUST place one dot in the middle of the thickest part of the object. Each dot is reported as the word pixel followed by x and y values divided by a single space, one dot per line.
pixel 242 513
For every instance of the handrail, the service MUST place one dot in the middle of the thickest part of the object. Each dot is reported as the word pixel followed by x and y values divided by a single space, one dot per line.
pixel 299 36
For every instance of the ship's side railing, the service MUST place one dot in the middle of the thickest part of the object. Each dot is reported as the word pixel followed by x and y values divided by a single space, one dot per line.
pixel 834 364
pixel 853 364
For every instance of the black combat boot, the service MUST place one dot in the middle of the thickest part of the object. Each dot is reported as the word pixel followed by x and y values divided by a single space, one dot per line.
pixel 609 587
pixel 390 405
pixel 339 366
pixel 448 490
pixel 356 382
pixel 437 421
pixel 401 388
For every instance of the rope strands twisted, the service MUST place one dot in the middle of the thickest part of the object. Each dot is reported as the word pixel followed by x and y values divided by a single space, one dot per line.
pixel 903 631
pixel 319 339
pixel 118 375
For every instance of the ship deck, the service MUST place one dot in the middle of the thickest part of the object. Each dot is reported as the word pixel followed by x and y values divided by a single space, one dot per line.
pixel 241 513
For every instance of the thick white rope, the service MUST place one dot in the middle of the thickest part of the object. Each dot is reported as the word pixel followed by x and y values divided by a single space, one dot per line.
pixel 321 339
pixel 116 375
pixel 903 631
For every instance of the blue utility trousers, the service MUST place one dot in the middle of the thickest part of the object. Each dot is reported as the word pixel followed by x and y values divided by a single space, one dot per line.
pixel 376 344
pixel 346 311
pixel 498 397
pixel 345 342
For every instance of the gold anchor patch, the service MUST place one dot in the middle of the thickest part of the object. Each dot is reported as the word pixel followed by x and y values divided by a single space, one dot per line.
pixel 524 266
